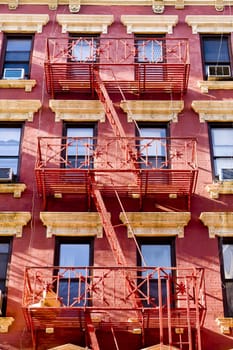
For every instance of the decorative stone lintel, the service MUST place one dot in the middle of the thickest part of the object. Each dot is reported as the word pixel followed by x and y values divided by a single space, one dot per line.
pixel 210 24
pixel 225 324
pixel 16 189
pixel 5 323
pixel 77 110
pixel 205 86
pixel 218 188
pixel 85 23
pixel 22 23
pixel 18 110
pixel 72 224
pixel 25 84
pixel 219 223
pixel 11 223
pixel 149 24
pixel 151 111
pixel 149 224
pixel 219 111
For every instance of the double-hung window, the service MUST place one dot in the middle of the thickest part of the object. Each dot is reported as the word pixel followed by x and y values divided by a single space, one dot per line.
pixel 226 248
pixel 80 145
pixel 221 136
pixel 156 253
pixel 74 256
pixel 149 49
pixel 17 56
pixel 5 254
pixel 84 48
pixel 10 137
pixel 152 145
pixel 216 57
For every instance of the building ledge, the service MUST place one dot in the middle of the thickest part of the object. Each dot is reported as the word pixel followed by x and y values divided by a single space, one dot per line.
pixel 18 110
pixel 16 189
pixel 11 223
pixel 26 84
pixel 149 24
pixel 85 23
pixel 219 223
pixel 72 224
pixel 5 323
pixel 225 324
pixel 205 86
pixel 150 111
pixel 210 24
pixel 77 110
pixel 68 347
pixel 214 111
pixel 218 188
pixel 22 23
pixel 149 224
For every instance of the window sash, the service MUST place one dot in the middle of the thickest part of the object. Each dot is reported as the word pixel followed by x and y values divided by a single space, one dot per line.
pixel 10 138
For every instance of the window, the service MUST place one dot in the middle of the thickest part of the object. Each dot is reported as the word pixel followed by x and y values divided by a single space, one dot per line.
pixel 17 56
pixel 73 284
pixel 216 57
pixel 226 248
pixel 152 145
pixel 5 254
pixel 149 49
pixel 80 145
pixel 84 48
pixel 10 137
pixel 157 253
pixel 221 136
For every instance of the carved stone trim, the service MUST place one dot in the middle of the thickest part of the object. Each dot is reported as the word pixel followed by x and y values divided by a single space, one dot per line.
pixel 149 224
pixel 151 111
pixel 22 23
pixel 11 223
pixel 18 110
pixel 205 86
pixel 16 189
pixel 225 324
pixel 72 224
pixel 219 223
pixel 210 24
pixel 27 85
pixel 149 24
pixel 219 111
pixel 77 110
pixel 5 323
pixel 218 188
pixel 85 23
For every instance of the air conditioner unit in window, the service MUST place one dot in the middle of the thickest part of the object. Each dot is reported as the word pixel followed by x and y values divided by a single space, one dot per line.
pixel 13 73
pixel 6 174
pixel 226 175
pixel 219 72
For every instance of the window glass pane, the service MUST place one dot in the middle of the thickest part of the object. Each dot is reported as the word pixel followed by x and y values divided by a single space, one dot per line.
pixel 157 254
pixel 222 139
pixel 216 50
pixel 149 51
pixel 85 50
pixel 4 248
pixel 74 254
pixel 9 147
pixel 155 147
pixel 227 250
pixel 80 147
pixel 19 44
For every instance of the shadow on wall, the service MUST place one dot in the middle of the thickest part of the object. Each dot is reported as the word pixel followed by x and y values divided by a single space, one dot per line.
pixel 212 340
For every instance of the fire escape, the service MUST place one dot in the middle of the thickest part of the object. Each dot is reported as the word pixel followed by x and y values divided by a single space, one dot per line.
pixel 117 166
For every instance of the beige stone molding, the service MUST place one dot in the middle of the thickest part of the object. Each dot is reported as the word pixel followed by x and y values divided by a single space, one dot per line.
pixel 77 110
pixel 5 323
pixel 16 189
pixel 25 84
pixel 85 23
pixel 149 24
pixel 210 24
pixel 215 189
pixel 18 110
pixel 68 347
pixel 214 111
pixel 22 23
pixel 148 224
pixel 219 223
pixel 72 224
pixel 151 110
pixel 225 324
pixel 11 223
pixel 205 86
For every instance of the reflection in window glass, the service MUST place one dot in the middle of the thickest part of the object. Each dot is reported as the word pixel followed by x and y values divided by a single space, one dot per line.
pixel 9 148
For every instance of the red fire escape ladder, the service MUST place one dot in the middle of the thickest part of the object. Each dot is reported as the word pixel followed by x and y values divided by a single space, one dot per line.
pixel 91 332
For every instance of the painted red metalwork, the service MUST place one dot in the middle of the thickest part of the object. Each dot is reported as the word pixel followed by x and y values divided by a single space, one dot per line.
pixel 79 294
